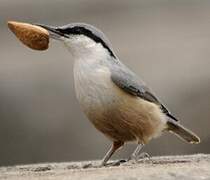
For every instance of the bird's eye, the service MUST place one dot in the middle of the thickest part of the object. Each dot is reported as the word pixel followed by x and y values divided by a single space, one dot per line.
pixel 71 30
pixel 76 30
pixel 68 31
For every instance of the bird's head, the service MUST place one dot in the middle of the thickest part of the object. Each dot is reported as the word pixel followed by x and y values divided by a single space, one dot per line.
pixel 81 39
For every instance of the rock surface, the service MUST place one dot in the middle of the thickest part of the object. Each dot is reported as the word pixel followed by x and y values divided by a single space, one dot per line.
pixel 190 167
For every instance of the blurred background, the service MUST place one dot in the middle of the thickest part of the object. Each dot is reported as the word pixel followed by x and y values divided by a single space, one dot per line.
pixel 166 42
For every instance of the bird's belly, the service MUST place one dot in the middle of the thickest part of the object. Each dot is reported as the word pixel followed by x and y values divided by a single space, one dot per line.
pixel 115 113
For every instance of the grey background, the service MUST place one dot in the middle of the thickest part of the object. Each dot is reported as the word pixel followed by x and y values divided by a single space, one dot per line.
pixel 167 42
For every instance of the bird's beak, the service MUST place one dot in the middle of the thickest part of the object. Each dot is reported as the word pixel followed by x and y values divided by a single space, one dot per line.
pixel 54 32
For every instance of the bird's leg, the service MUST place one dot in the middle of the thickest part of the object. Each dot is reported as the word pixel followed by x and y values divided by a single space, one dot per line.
pixel 115 145
pixel 136 155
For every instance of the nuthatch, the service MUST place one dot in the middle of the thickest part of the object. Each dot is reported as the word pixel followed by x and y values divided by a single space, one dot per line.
pixel 114 99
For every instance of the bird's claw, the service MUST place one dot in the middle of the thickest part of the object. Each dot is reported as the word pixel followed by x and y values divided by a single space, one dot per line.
pixel 139 157
pixel 117 163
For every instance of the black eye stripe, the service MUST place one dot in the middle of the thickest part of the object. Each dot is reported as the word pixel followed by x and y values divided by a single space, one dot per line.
pixel 82 30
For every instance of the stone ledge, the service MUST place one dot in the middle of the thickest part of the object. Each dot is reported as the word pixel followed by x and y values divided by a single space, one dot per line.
pixel 188 167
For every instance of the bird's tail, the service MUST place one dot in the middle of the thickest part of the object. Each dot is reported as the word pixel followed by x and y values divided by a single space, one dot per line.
pixel 182 132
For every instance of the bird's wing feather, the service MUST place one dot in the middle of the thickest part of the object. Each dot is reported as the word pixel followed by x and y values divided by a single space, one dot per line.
pixel 130 83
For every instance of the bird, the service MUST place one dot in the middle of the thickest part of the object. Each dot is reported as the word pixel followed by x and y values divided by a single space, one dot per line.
pixel 115 99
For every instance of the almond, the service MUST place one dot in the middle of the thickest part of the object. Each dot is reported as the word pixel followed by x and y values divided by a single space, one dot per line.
pixel 35 37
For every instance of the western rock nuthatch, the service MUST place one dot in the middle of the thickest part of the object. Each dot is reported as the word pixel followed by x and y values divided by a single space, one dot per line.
pixel 115 100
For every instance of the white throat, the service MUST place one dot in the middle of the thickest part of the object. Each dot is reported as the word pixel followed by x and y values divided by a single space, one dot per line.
pixel 82 47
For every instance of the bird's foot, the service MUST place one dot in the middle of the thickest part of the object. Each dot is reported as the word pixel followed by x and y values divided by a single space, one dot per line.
pixel 116 163
pixel 137 157
pixel 132 158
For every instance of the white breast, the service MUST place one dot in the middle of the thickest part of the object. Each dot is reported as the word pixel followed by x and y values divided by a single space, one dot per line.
pixel 93 86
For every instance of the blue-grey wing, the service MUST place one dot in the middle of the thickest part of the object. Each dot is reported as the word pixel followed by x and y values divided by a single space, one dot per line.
pixel 125 79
